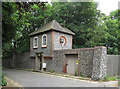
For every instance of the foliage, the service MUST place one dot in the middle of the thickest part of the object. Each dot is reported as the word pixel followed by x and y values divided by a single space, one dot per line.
pixel 113 32
pixel 91 27
pixel 22 24
pixel 51 71
pixel 78 17
pixel 29 21
pixel 4 83
pixel 8 29
pixel 75 73
pixel 107 78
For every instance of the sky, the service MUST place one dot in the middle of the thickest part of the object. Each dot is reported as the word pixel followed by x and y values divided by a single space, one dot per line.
pixel 106 6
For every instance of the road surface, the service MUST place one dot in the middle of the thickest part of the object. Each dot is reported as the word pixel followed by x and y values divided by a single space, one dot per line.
pixel 34 79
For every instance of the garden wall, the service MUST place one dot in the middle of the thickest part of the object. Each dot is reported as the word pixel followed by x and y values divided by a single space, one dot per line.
pixel 92 62
pixel 25 61
pixel 6 63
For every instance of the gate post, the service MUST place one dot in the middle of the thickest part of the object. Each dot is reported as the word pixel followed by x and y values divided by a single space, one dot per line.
pixel 99 63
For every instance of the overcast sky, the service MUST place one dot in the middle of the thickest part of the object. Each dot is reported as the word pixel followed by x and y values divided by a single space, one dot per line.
pixel 106 6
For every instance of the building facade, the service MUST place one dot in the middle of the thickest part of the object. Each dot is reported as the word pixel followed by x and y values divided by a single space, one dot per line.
pixel 51 50
pixel 46 39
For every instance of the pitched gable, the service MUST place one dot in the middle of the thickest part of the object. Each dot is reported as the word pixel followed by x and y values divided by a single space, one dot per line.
pixel 53 25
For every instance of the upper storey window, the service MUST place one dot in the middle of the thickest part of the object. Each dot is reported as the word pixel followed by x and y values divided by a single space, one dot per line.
pixel 35 42
pixel 44 40
pixel 62 40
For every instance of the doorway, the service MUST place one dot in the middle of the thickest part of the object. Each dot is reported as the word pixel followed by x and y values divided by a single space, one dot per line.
pixel 40 62
pixel 72 63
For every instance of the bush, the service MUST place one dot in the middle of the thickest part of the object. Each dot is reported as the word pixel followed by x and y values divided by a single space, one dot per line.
pixel 51 71
pixel 4 83
pixel 106 78
pixel 75 73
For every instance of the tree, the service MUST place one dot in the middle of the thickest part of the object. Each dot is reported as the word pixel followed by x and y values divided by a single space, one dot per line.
pixel 20 19
pixel 113 31
pixel 91 27
pixel 8 29
pixel 28 21
pixel 80 17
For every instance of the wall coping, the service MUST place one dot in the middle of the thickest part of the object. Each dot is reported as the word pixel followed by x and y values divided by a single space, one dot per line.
pixel 99 47
pixel 77 49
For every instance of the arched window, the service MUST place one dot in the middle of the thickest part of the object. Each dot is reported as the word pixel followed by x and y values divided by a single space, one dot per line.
pixel 35 42
pixel 44 40
pixel 62 40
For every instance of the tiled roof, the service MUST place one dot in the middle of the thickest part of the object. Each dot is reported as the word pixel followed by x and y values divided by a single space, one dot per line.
pixel 53 25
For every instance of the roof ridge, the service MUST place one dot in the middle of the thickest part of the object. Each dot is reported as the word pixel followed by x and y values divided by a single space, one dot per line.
pixel 52 25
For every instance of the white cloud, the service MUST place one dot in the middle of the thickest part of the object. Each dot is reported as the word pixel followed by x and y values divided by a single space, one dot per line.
pixel 106 6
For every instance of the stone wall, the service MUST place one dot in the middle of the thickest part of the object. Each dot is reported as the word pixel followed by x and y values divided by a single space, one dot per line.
pixel 92 62
pixel 86 62
pixel 99 63
pixel 58 61
pixel 52 43
pixel 47 50
pixel 49 63
pixel 6 63
pixel 25 61
pixel 56 43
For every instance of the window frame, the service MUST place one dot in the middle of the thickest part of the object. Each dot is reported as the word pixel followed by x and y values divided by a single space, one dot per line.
pixel 64 39
pixel 44 46
pixel 34 42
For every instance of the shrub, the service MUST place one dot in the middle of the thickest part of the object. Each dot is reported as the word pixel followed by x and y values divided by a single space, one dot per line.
pixel 106 78
pixel 75 73
pixel 51 71
pixel 4 83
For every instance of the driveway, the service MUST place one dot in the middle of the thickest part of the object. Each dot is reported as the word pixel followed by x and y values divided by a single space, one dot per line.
pixel 34 79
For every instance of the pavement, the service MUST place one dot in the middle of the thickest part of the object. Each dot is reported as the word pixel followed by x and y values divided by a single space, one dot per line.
pixel 36 79
pixel 11 84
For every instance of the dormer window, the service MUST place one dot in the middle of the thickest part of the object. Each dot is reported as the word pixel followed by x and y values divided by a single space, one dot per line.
pixel 44 40
pixel 62 40
pixel 35 42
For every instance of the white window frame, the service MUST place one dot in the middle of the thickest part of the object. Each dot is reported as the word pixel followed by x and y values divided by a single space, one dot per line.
pixel 42 40
pixel 34 42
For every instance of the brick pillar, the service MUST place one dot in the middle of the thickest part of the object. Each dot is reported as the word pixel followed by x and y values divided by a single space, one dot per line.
pixel 99 63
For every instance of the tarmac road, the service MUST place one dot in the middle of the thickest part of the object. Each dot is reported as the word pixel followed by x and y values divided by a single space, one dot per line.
pixel 34 79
